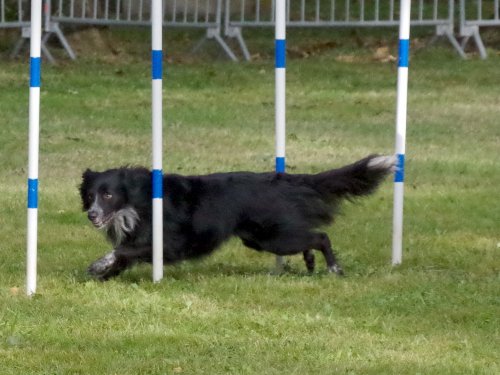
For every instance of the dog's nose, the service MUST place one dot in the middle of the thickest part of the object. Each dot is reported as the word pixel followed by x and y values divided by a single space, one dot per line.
pixel 92 215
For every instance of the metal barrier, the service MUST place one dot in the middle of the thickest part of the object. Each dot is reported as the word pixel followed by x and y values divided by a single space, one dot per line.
pixel 17 14
pixel 239 14
pixel 14 13
pixel 204 14
pixel 338 13
pixel 475 14
pixel 200 14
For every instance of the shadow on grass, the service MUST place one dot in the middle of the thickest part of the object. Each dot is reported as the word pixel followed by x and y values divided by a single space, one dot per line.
pixel 195 271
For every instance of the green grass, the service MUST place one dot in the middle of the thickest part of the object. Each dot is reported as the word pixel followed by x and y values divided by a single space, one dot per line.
pixel 438 313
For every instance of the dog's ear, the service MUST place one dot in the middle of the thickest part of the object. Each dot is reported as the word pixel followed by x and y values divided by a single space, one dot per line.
pixel 87 178
pixel 88 175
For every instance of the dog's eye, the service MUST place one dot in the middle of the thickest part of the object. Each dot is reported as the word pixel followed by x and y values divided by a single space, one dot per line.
pixel 90 197
pixel 107 196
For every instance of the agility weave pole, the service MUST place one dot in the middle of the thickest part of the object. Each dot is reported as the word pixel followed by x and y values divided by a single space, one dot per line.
pixel 280 76
pixel 280 88
pixel 34 135
pixel 157 136
pixel 33 147
pixel 401 115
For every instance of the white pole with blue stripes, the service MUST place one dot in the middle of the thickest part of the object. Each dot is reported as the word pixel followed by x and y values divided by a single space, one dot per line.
pixel 401 114
pixel 157 139
pixel 280 87
pixel 34 135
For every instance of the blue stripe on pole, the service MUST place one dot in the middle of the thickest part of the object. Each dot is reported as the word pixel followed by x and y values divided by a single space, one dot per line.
pixel 32 193
pixel 157 183
pixel 404 53
pixel 399 176
pixel 280 165
pixel 35 71
pixel 157 64
pixel 280 52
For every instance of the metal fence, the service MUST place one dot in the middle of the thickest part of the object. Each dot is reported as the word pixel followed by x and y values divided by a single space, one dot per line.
pixel 475 14
pixel 14 14
pixel 335 13
pixel 187 13
pixel 339 13
pixel 17 14
pixel 198 14
pixel 201 14
pixel 232 16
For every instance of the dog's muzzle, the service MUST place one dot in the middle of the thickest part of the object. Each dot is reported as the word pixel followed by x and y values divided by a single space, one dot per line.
pixel 98 220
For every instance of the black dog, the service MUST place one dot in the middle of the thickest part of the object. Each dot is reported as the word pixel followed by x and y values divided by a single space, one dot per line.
pixel 269 212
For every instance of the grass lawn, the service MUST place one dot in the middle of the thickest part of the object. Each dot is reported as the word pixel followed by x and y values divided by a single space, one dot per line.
pixel 438 313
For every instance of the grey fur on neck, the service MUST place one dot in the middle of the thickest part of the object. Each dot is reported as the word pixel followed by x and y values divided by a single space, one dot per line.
pixel 124 221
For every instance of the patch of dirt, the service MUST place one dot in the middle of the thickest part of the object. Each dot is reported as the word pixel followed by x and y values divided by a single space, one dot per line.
pixel 383 54
pixel 96 42
pixel 314 49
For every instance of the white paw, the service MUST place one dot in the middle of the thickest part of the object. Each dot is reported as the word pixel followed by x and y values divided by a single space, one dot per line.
pixel 101 266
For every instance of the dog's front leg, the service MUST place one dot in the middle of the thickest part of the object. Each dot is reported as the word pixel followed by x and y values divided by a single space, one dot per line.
pixel 105 267
pixel 116 261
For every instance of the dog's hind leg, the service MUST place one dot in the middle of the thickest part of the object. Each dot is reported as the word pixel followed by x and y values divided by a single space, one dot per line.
pixel 309 260
pixel 322 243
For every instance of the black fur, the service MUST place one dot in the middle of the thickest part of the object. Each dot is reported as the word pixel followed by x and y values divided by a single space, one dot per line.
pixel 278 213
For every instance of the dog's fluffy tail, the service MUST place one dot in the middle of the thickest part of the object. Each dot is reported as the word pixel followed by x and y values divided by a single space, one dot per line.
pixel 354 180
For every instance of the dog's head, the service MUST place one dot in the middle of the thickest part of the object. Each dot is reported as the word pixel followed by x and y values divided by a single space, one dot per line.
pixel 116 200
pixel 103 195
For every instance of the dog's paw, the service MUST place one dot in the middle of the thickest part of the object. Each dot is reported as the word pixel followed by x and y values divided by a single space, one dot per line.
pixel 336 269
pixel 102 267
